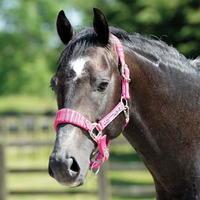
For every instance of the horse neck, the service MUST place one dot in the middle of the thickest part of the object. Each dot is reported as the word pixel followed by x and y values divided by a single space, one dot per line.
pixel 155 129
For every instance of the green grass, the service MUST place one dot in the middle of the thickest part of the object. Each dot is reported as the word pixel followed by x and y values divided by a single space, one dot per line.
pixel 55 197
pixel 131 178
pixel 71 197
pixel 27 104
pixel 131 198
pixel 42 181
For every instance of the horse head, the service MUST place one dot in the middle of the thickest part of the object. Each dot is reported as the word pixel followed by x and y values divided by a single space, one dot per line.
pixel 87 82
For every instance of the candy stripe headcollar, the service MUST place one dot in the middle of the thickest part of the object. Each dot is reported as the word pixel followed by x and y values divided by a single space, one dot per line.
pixel 69 116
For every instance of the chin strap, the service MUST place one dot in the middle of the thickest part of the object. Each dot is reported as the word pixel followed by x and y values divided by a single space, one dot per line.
pixel 102 154
pixel 69 116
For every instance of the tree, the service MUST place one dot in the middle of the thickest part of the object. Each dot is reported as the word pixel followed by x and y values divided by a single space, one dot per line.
pixel 28 45
pixel 176 22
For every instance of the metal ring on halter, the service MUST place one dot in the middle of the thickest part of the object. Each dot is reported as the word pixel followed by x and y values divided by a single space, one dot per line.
pixel 126 113
pixel 122 68
pixel 93 135
pixel 126 107
pixel 124 101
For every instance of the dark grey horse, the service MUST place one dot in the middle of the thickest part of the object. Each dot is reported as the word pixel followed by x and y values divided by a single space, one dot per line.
pixel 164 125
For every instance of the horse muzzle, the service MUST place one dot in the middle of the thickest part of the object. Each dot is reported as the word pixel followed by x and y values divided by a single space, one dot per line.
pixel 70 159
pixel 64 169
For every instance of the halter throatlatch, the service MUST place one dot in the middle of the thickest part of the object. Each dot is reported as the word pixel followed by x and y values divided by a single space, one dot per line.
pixel 69 116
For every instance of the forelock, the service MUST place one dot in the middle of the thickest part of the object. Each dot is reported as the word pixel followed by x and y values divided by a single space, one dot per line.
pixel 78 45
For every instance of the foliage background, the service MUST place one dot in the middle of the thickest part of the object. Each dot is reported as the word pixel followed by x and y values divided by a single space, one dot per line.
pixel 29 46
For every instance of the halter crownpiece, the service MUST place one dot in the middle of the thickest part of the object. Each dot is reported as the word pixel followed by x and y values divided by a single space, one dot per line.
pixel 69 116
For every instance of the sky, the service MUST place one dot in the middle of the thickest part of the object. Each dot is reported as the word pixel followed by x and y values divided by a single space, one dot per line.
pixel 74 17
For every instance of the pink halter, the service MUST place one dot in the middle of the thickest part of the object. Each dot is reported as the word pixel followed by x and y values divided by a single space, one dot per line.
pixel 69 116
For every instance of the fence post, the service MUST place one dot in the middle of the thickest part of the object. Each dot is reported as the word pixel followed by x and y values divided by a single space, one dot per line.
pixel 2 173
pixel 103 183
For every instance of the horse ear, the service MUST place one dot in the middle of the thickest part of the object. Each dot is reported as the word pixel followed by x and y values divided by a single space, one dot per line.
pixel 64 28
pixel 101 26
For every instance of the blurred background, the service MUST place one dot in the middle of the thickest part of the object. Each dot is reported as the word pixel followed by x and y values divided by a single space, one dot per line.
pixel 29 50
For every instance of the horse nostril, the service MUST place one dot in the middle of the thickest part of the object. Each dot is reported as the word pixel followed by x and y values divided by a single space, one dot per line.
pixel 63 168
pixel 50 171
pixel 73 165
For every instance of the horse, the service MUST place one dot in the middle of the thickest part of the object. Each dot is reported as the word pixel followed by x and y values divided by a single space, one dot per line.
pixel 114 82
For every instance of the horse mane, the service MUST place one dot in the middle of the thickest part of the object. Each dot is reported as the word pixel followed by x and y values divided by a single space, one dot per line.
pixel 155 50
pixel 196 62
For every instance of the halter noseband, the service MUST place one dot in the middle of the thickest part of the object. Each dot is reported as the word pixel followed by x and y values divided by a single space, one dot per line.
pixel 69 116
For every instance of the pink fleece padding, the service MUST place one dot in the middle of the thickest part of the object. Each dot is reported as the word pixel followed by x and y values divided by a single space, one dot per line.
pixel 68 116
pixel 119 49
pixel 124 69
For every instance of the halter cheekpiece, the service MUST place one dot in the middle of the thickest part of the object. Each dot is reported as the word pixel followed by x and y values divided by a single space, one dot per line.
pixel 69 116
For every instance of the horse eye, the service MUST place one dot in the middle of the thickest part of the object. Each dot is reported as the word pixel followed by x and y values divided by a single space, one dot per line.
pixel 102 86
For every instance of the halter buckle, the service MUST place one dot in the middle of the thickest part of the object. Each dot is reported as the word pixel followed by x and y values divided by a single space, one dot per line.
pixel 126 113
pixel 126 109
pixel 94 135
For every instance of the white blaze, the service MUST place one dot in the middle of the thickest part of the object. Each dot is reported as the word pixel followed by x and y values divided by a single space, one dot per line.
pixel 78 65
